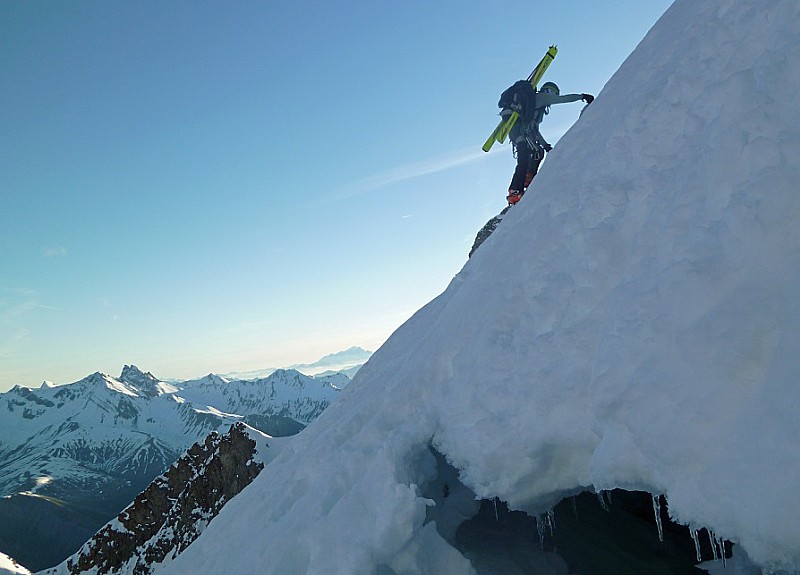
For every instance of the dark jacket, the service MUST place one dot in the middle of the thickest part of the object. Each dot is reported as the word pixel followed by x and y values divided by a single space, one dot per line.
pixel 528 127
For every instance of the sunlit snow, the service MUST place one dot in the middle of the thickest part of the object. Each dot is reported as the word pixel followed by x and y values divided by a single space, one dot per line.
pixel 633 323
pixel 10 567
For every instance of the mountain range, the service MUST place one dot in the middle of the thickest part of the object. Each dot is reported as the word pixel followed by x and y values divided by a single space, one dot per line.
pixel 73 456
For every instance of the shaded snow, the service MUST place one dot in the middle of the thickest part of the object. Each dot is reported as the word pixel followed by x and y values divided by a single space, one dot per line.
pixel 634 322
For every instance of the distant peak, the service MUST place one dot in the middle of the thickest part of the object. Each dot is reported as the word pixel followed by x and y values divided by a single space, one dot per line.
pixel 96 377
pixel 290 372
pixel 215 379
pixel 355 350
pixel 131 371
pixel 145 382
pixel 349 358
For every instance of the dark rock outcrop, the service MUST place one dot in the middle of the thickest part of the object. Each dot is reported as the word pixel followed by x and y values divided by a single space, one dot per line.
pixel 172 512
pixel 487 230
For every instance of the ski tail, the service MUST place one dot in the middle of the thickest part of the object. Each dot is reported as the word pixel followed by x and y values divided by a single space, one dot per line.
pixel 493 136
pixel 502 130
pixel 500 133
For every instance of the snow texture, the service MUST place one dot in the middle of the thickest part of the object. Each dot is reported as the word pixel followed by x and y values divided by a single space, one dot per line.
pixel 634 322
pixel 10 567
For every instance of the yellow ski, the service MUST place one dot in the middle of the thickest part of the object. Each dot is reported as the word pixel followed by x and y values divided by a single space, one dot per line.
pixel 502 130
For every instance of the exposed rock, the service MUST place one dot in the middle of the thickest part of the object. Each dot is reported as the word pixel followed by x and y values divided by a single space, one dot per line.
pixel 172 512
pixel 487 230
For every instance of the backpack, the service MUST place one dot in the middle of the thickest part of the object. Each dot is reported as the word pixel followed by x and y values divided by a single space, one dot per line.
pixel 521 97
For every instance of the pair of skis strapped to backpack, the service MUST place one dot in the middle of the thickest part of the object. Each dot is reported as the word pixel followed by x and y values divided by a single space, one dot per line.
pixel 500 133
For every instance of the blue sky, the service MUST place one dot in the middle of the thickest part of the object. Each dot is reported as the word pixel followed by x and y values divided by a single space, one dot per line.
pixel 219 186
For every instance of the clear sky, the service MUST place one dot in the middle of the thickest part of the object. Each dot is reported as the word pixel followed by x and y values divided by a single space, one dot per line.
pixel 199 187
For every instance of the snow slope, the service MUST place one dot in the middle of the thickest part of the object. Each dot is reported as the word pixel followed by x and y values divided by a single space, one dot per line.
pixel 634 322
pixel 10 567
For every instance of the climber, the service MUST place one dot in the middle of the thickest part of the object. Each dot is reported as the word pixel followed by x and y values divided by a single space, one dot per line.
pixel 529 145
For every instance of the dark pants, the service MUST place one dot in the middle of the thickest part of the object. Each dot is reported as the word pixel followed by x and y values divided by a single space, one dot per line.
pixel 528 161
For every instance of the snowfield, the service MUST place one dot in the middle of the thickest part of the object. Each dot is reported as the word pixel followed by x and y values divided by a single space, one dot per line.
pixel 10 567
pixel 634 322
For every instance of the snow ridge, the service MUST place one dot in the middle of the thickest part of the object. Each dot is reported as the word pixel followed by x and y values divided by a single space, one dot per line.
pixel 632 324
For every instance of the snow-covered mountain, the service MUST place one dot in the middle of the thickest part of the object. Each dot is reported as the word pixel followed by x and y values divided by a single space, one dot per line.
pixel 347 362
pixel 72 456
pixel 343 361
pixel 632 324
pixel 285 393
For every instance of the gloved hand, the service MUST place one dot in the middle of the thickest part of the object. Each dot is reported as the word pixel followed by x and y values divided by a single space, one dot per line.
pixel 588 98
pixel 547 147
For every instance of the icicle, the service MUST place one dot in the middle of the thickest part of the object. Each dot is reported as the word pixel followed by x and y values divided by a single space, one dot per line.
pixel 657 510
pixel 540 529
pixel 544 523
pixel 721 543
pixel 601 499
pixel 696 538
pixel 712 538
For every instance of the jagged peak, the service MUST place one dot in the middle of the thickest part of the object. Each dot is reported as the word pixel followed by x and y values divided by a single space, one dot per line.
pixel 144 382
pixel 131 373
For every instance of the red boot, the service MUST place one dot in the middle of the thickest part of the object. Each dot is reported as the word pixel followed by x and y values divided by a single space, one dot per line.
pixel 514 196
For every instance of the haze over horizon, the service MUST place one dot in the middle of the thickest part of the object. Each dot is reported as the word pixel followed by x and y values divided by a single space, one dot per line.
pixel 252 184
pixel 337 361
